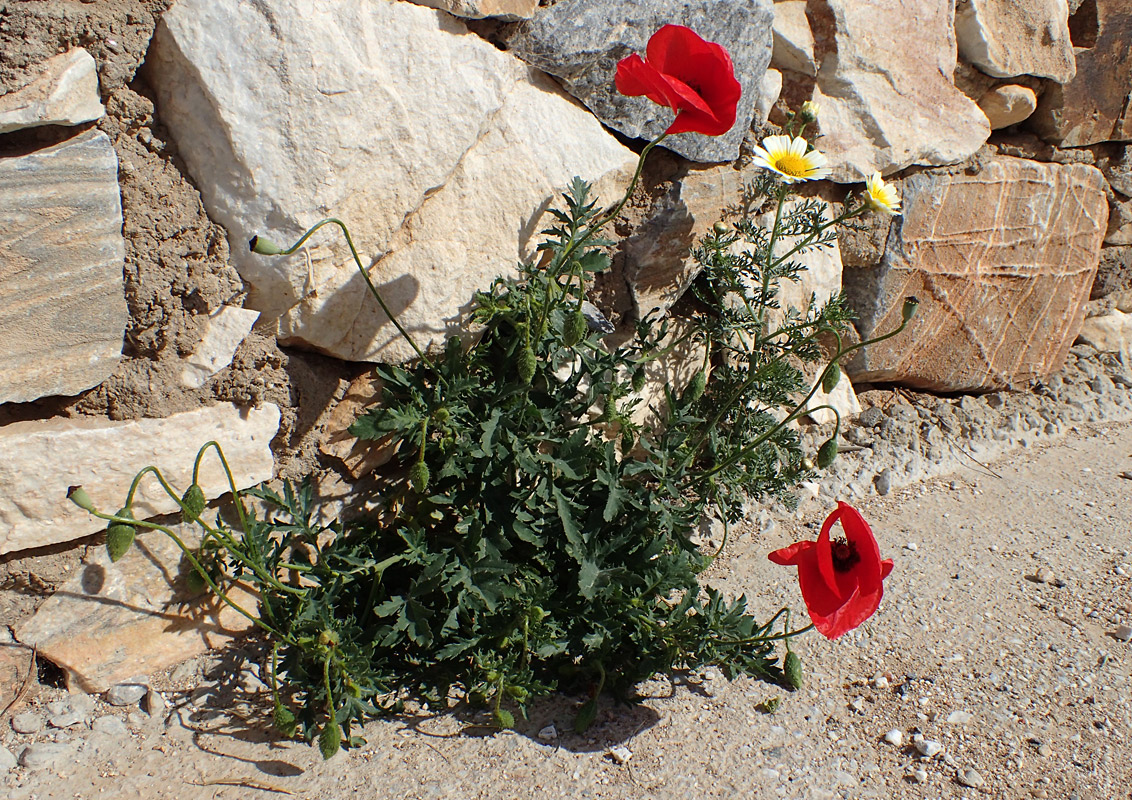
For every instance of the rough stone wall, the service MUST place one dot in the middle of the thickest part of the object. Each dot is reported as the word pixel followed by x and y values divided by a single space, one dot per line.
pixel 142 143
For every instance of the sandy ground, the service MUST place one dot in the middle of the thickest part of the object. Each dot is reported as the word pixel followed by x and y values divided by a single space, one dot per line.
pixel 995 643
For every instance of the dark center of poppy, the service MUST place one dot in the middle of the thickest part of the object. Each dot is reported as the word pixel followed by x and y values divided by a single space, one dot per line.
pixel 845 555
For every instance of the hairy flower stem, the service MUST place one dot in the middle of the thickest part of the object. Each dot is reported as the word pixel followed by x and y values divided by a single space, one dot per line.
pixel 365 276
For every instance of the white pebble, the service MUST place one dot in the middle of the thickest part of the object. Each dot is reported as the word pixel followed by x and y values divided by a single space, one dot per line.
pixel 1123 632
pixel 959 718
pixel 895 737
pixel 920 775
pixel 929 748
pixel 549 733
pixel 912 546
pixel 970 778
pixel 620 754
pixel 880 681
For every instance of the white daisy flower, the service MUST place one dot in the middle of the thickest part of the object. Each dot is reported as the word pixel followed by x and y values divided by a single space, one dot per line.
pixel 788 158
pixel 880 196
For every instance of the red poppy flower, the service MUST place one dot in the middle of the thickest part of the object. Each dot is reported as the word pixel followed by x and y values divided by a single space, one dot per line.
pixel 693 77
pixel 841 580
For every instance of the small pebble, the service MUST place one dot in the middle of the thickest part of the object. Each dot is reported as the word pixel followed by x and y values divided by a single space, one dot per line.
pixel 126 694
pixel 883 482
pixel 1123 633
pixel 1044 575
pixel 968 777
pixel 895 737
pixel 45 754
pixel 858 705
pixel 880 681
pixel 920 775
pixel 959 717
pixel 549 733
pixel 912 546
pixel 111 725
pixel 929 748
pixel 27 722
pixel 7 760
pixel 154 703
pixel 620 754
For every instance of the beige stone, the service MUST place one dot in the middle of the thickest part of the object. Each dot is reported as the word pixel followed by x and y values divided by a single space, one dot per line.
pixel 113 621
pixel 793 40
pixel 65 92
pixel 1002 262
pixel 360 457
pixel 1008 105
pixel 1007 38
pixel 1093 106
pixel 1119 223
pixel 61 258
pixel 884 88
pixel 438 150
pixel 224 331
pixel 42 458
pixel 770 89
pixel 1109 333
pixel 477 9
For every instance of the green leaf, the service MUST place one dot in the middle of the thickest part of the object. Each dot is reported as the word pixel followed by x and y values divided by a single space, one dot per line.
pixel 569 525
pixel 594 261
pixel 587 577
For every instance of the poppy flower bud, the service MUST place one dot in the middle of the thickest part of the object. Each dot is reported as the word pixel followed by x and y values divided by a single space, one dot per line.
pixel 284 720
pixel 265 247
pixel 192 503
pixel 809 112
pixel 503 719
pixel 638 380
pixel 830 379
pixel 910 306
pixel 119 536
pixel 792 669
pixel 419 476
pixel 827 452
pixel 526 365
pixel 195 582
pixel 330 740
pixel 574 329
pixel 78 496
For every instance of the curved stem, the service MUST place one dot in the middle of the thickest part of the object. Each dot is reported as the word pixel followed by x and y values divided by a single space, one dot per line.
pixel 365 276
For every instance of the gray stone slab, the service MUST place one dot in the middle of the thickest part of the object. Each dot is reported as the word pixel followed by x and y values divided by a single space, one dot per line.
pixel 580 42
pixel 61 259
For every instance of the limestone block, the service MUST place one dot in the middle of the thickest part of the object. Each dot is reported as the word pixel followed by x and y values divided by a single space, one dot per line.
pixel 770 89
pixel 61 257
pixel 439 151
pixel 1093 106
pixel 64 93
pixel 42 458
pixel 885 91
pixel 225 329
pixel 112 621
pixel 360 457
pixel 478 9
pixel 793 40
pixel 1008 105
pixel 581 41
pixel 1109 333
pixel 659 268
pixel 1001 261
pixel 1117 169
pixel 1006 38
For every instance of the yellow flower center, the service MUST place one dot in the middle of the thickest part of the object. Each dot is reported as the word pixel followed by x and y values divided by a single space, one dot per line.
pixel 792 165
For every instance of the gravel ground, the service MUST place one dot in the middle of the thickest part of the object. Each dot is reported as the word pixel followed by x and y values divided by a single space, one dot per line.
pixel 995 668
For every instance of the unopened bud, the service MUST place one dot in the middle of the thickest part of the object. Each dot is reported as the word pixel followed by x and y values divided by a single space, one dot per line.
pixel 78 496
pixel 910 306
pixel 792 669
pixel 827 453
pixel 809 112
pixel 419 477
pixel 831 378
pixel 265 247
pixel 720 228
pixel 696 387
pixel 526 366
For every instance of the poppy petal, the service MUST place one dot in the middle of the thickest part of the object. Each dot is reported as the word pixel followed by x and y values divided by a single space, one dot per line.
pixel 792 554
